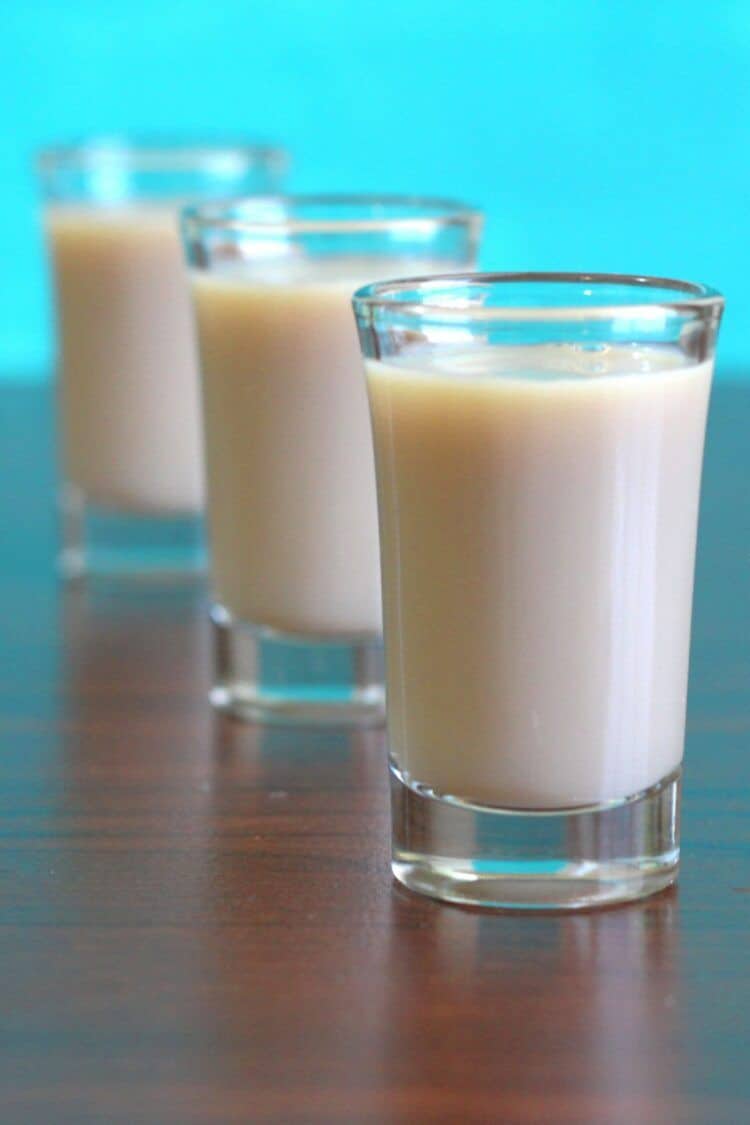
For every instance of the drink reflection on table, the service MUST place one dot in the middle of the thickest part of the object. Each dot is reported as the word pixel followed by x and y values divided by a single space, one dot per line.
pixel 574 1017
pixel 136 769
pixel 302 757
pixel 141 649
pixel 306 810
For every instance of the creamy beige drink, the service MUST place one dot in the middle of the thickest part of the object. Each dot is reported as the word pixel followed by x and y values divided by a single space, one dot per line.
pixel 538 510
pixel 292 506
pixel 129 387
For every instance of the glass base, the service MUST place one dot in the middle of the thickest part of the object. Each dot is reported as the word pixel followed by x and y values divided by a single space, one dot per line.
pixel 97 542
pixel 567 859
pixel 270 677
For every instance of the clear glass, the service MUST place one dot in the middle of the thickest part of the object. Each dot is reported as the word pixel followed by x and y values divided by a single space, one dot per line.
pixel 132 496
pixel 292 510
pixel 538 446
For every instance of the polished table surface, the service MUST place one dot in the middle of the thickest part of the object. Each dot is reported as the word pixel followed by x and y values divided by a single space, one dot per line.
pixel 197 920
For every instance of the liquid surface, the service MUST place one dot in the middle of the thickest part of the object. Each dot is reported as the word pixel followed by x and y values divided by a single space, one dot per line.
pixel 129 393
pixel 538 511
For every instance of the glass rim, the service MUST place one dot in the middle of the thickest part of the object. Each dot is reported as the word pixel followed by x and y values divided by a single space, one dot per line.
pixel 222 214
pixel 690 297
pixel 156 154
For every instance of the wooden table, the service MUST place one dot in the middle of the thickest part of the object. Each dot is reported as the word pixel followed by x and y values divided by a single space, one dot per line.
pixel 197 922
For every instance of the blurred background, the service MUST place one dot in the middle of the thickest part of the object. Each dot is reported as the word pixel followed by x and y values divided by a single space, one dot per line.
pixel 597 134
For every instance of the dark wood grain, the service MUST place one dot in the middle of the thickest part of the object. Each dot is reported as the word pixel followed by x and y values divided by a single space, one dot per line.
pixel 197 922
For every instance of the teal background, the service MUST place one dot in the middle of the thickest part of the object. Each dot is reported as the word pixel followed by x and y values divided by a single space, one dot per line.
pixel 598 135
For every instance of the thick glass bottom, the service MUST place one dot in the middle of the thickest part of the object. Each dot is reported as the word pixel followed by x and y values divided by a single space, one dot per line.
pixel 567 859
pixel 270 677
pixel 100 543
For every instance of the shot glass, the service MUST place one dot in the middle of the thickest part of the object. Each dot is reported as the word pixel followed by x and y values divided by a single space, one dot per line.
pixel 292 512
pixel 132 495
pixel 538 445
